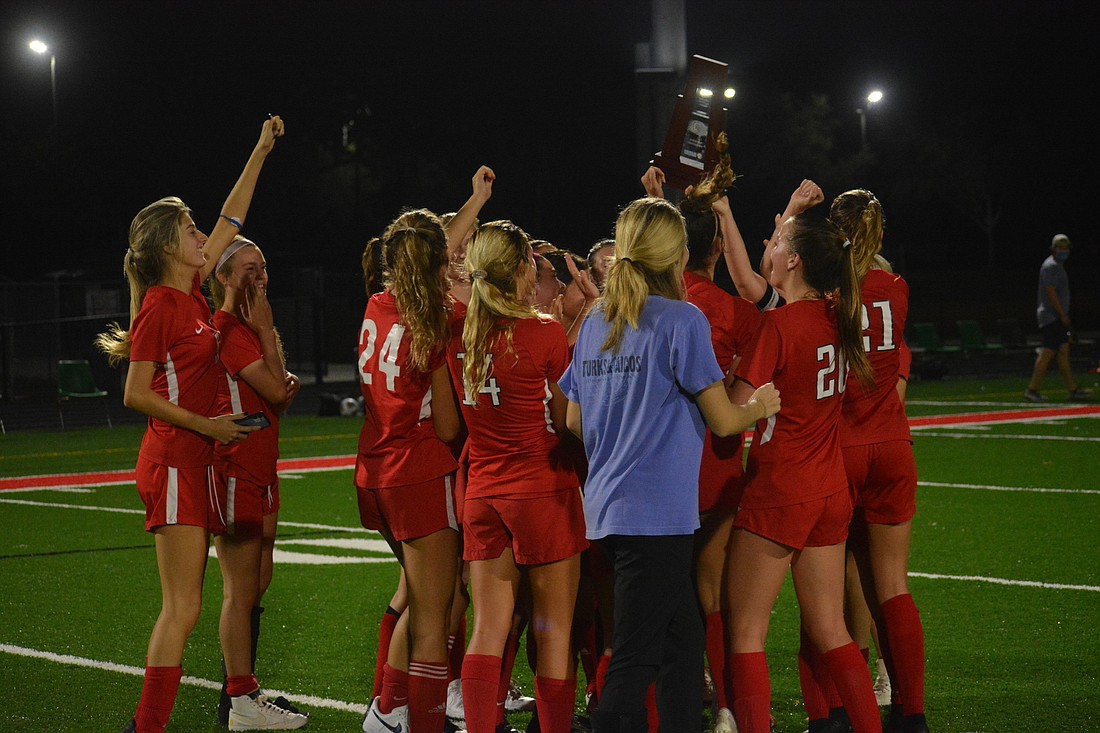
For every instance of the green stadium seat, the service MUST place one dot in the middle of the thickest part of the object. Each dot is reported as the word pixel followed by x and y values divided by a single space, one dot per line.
pixel 928 339
pixel 75 382
pixel 973 338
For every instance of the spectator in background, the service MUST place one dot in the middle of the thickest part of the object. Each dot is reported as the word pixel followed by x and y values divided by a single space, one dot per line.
pixel 1054 323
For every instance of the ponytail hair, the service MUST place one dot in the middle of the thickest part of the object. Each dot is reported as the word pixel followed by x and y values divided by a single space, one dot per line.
pixel 414 260
pixel 154 233
pixel 859 215
pixel 699 217
pixel 498 262
pixel 649 246
pixel 828 266
pixel 372 267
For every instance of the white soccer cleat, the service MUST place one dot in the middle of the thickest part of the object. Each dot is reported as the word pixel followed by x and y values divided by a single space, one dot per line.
pixel 257 713
pixel 516 701
pixel 456 713
pixel 883 691
pixel 724 722
pixel 376 721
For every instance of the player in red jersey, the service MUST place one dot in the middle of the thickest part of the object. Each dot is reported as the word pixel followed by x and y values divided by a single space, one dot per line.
pixel 522 509
pixel 733 325
pixel 795 509
pixel 404 471
pixel 173 378
pixel 878 457
pixel 256 382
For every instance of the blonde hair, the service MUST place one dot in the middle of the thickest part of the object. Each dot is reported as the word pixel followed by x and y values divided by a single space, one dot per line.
pixel 154 233
pixel 497 261
pixel 859 214
pixel 649 246
pixel 217 289
pixel 414 260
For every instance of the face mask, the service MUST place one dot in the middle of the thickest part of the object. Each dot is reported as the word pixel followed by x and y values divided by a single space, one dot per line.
pixel 1061 256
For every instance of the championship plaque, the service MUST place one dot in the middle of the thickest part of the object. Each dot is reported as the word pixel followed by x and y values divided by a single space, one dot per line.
pixel 689 150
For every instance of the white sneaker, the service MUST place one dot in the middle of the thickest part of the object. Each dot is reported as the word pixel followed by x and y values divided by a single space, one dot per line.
pixel 376 721
pixel 257 713
pixel 516 701
pixel 883 692
pixel 724 722
pixel 456 713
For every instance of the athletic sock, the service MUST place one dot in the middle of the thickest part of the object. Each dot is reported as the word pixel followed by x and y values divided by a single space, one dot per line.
pixel 457 649
pixel 480 681
pixel 716 658
pixel 554 703
pixel 507 663
pixel 385 633
pixel 853 681
pixel 237 685
pixel 158 697
pixel 906 635
pixel 817 707
pixel 601 673
pixel 427 695
pixel 752 692
pixel 395 689
pixel 653 720
pixel 254 620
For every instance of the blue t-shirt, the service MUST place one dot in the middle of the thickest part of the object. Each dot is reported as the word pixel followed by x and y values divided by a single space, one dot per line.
pixel 643 432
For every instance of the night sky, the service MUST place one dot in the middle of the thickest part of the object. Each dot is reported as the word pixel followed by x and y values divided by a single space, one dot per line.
pixel 166 98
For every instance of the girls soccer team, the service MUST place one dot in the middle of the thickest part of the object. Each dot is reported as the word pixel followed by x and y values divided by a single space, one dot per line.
pixel 642 388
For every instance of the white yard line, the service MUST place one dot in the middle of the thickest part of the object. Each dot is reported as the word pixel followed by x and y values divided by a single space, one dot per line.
pixel 307 701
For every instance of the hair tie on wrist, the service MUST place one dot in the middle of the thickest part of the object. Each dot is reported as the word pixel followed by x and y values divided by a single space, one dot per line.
pixel 232 220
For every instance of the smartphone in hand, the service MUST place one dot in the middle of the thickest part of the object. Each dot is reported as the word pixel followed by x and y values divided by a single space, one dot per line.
pixel 254 420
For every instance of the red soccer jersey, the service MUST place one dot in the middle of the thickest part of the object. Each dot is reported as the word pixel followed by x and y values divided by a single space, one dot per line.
pixel 398 444
pixel 877 415
pixel 514 450
pixel 254 457
pixel 173 330
pixel 733 325
pixel 795 455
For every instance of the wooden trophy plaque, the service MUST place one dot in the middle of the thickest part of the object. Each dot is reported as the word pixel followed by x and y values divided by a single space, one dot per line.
pixel 689 150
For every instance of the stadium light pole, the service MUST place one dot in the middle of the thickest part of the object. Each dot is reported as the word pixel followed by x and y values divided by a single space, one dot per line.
pixel 872 99
pixel 41 48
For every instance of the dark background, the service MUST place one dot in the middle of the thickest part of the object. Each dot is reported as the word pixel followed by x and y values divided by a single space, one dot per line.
pixel 983 148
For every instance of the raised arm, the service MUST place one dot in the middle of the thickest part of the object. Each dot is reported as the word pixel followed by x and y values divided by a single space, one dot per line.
pixel 653 181
pixel 750 285
pixel 464 219
pixel 724 417
pixel 236 205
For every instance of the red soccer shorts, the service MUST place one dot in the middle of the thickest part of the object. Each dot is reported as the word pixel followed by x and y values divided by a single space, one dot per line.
pixel 246 504
pixel 180 496
pixel 539 529
pixel 817 523
pixel 882 481
pixel 410 511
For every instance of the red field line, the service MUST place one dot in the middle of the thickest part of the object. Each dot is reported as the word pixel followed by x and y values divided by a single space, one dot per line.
pixel 336 463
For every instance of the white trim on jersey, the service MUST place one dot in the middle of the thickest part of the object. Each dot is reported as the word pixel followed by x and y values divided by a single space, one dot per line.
pixel 766 433
pixel 231 496
pixel 452 516
pixel 172 496
pixel 173 380
pixel 234 394
pixel 212 492
pixel 546 406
